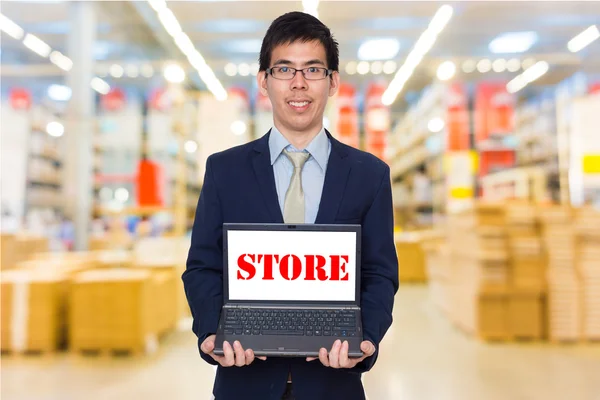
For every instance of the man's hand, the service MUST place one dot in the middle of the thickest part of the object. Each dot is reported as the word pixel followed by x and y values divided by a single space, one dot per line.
pixel 338 356
pixel 233 356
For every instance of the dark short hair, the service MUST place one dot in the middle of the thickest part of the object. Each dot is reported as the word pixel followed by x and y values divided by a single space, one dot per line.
pixel 298 26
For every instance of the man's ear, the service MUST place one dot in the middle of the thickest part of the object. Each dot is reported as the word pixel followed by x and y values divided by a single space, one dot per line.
pixel 261 79
pixel 334 83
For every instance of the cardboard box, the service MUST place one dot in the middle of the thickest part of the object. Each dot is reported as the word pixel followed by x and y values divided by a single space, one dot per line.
pixel 492 315
pixel 112 309
pixel 411 258
pixel 528 273
pixel 33 310
pixel 527 314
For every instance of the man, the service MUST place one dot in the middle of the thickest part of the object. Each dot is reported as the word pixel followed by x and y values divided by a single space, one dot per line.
pixel 258 183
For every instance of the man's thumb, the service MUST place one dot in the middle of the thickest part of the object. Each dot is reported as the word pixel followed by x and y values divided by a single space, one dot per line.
pixel 207 346
pixel 368 348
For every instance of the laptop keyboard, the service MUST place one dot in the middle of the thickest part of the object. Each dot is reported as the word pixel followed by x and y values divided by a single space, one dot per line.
pixel 252 321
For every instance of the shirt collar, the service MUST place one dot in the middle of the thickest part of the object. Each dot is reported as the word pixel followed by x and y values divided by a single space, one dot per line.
pixel 318 148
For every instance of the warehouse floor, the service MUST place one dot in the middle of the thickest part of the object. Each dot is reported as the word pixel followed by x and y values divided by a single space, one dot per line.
pixel 423 357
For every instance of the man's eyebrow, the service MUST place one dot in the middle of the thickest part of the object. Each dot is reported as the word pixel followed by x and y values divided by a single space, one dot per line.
pixel 288 62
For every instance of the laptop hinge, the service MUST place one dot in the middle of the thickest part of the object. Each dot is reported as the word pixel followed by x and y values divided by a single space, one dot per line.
pixel 287 306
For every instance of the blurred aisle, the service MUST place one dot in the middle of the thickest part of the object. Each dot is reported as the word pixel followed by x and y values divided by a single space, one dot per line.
pixel 423 358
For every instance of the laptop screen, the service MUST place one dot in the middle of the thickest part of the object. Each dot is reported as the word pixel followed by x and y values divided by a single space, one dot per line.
pixel 291 265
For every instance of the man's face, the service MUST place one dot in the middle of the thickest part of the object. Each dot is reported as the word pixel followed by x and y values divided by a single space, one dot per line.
pixel 299 104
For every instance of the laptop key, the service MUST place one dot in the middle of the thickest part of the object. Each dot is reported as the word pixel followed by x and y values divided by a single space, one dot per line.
pixel 256 332
pixel 352 334
pixel 318 333
pixel 239 331
pixel 309 333
pixel 228 331
pixel 283 333
pixel 247 332
pixel 232 326
pixel 327 333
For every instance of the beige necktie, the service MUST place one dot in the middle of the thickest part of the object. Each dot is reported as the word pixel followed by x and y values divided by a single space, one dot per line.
pixel 293 207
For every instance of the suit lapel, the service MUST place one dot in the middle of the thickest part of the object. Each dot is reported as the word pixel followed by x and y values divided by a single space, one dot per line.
pixel 338 170
pixel 266 180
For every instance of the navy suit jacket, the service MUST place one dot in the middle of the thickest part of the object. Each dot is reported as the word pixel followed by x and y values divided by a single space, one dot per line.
pixel 239 186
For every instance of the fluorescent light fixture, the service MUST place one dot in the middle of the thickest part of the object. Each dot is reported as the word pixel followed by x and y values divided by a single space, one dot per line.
pixel 147 71
pixel 158 5
pixel 244 69
pixel 529 75
pixel 174 73
pixel 376 67
pixel 389 67
pixel 351 68
pixel 11 28
pixel 238 128
pixel 362 68
pixel 184 43
pixel 100 86
pixel 37 45
pixel 116 71
pixel 55 129
pixel 190 146
pixel 513 65
pixel 499 65
pixel 436 125
pixel 311 7
pixel 583 39
pixel 484 65
pixel 421 47
pixel 132 71
pixel 446 71
pixel 61 61
pixel 231 69
pixel 528 62
pixel 254 67
pixel 122 195
pixel 513 42
pixel 170 22
pixel 59 92
pixel 378 49
pixel 469 66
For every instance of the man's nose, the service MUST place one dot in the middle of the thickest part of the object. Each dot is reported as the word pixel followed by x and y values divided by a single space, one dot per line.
pixel 299 82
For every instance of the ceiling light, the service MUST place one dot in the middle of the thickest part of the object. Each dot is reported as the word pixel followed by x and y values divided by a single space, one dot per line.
pixel 174 73
pixel 122 195
pixel 244 69
pixel 61 61
pixel 231 69
pixel 147 71
pixel 190 146
pixel 469 66
pixel 169 21
pixel 513 65
pixel 513 42
pixel 238 128
pixel 351 68
pixel 423 45
pixel 528 62
pixel 376 67
pixel 446 70
pixel 10 28
pixel 484 66
pixel 105 194
pixel 132 71
pixel 158 5
pixel 100 86
pixel 59 92
pixel 36 45
pixel 529 75
pixel 583 39
pixel 184 43
pixel 254 67
pixel 378 49
pixel 499 65
pixel 55 129
pixel 362 68
pixel 436 125
pixel 116 71
pixel 389 67
pixel 311 7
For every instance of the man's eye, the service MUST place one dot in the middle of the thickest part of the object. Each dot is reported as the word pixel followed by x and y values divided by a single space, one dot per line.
pixel 313 69
pixel 283 69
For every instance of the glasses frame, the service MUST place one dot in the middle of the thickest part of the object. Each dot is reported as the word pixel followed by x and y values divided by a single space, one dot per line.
pixel 328 72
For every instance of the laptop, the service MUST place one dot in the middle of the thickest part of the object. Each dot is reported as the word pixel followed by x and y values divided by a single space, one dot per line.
pixel 290 290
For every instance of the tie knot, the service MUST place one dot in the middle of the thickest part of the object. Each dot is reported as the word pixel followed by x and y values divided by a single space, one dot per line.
pixel 297 158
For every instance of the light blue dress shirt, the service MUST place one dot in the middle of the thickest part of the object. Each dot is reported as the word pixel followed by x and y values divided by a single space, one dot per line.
pixel 313 172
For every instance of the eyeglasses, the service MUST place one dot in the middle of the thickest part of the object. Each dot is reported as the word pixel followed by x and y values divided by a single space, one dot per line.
pixel 310 73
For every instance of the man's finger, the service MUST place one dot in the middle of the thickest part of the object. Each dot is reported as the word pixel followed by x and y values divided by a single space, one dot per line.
pixel 367 348
pixel 228 357
pixel 323 357
pixel 334 355
pixel 207 346
pixel 344 355
pixel 264 358
pixel 240 357
pixel 249 357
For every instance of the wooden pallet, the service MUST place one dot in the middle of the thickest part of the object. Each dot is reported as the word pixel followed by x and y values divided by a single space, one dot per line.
pixel 109 353
pixel 28 353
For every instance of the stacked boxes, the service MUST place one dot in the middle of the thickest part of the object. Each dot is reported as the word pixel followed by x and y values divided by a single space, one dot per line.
pixel 565 309
pixel 411 258
pixel 33 303
pixel 111 310
pixel 588 251
pixel 19 247
pixel 438 263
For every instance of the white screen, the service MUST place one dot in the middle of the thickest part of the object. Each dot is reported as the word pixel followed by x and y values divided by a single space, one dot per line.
pixel 334 248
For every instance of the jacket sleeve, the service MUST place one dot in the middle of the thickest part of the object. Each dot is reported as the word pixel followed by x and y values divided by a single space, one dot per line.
pixel 379 269
pixel 203 277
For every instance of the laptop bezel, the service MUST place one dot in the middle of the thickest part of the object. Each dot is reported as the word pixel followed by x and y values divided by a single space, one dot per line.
pixel 355 228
